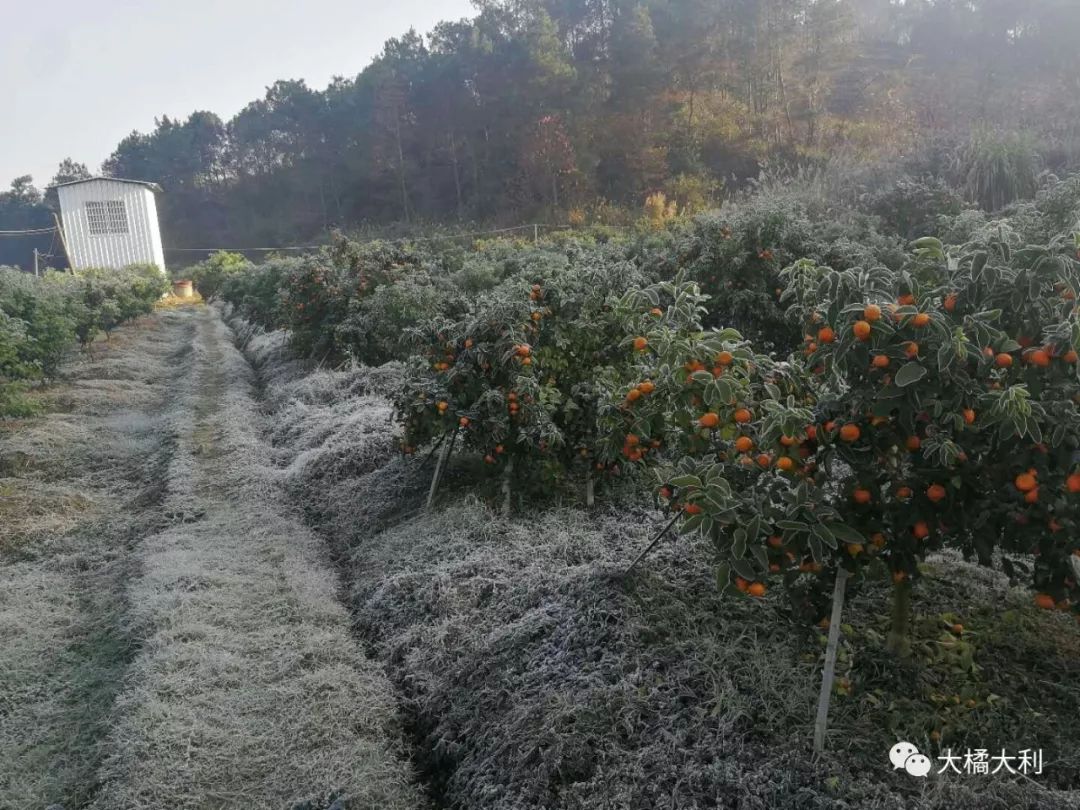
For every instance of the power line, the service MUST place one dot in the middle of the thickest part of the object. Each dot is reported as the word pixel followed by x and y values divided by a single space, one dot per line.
pixel 29 232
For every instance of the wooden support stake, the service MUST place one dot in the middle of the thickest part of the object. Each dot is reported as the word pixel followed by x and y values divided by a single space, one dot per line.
pixel 508 474
pixel 829 671
pixel 439 466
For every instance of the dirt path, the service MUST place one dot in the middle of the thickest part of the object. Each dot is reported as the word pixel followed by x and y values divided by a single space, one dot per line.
pixel 178 642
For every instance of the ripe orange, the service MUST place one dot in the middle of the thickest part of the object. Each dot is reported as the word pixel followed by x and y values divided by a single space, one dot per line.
pixel 878 539
pixel 1032 496
pixel 709 420
pixel 1003 360
pixel 911 349
pixel 1044 601
pixel 756 589
pixel 854 549
pixel 957 629
pixel 913 443
pixel 787 441
pixel 641 343
pixel 903 493
pixel 811 432
pixel 741 584
pixel 1039 357
pixel 969 416
pixel 463 421
pixel 862 330
pixel 850 433
pixel 1025 482
pixel 871 312
pixel 920 530
pixel 936 493
pixel 524 350
pixel 880 361
pixel 744 444
pixel 950 302
pixel 489 459
pixel 656 312
pixel 646 387
pixel 861 495
pixel 920 320
pixel 499 449
pixel 632 440
pixel 665 493
pixel 906 300
pixel 1072 483
pixel 786 464
pixel 776 541
pixel 764 460
pixel 826 334
pixel 1070 356
pixel 692 509
pixel 724 358
pixel 443 405
pixel 742 416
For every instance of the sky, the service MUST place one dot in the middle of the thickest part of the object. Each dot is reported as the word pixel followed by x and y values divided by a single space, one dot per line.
pixel 77 77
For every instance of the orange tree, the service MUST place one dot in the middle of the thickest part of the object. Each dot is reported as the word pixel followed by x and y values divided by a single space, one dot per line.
pixel 523 377
pixel 931 406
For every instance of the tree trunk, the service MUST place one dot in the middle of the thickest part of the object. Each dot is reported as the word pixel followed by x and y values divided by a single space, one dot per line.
pixel 590 488
pixel 829 671
pixel 457 177
pixel 508 473
pixel 899 639
pixel 401 167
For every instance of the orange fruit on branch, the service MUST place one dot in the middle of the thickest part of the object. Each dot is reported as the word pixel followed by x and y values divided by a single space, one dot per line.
pixel 920 530
pixel 920 320
pixel 709 420
pixel 743 415
pixel 1003 360
pixel 850 433
pixel 724 358
pixel 1072 483
pixel 861 495
pixel 1044 601
pixel 936 493
pixel 871 313
pixel 1025 482
pixel 862 330
pixel 640 343
pixel 826 335
pixel 756 589
pixel 646 387
pixel 744 444
pixel 443 405
pixel 950 302
pixel 786 464
pixel 880 361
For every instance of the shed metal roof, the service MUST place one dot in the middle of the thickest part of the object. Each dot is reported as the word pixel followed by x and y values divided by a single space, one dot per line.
pixel 152 186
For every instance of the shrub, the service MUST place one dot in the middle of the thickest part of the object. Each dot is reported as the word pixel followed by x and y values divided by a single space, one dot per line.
pixel 996 169
pixel 209 276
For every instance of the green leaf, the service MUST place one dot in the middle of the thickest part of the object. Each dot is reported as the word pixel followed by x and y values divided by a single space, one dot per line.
pixel 845 532
pixel 909 374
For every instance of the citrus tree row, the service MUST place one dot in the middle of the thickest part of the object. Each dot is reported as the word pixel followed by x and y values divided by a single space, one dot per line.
pixel 929 407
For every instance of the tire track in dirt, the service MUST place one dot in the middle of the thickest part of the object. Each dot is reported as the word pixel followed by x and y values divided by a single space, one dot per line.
pixel 247 688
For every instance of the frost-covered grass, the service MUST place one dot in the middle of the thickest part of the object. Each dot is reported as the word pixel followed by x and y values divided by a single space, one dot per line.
pixel 535 676
pixel 248 688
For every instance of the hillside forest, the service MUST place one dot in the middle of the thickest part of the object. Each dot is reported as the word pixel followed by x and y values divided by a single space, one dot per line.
pixel 574 111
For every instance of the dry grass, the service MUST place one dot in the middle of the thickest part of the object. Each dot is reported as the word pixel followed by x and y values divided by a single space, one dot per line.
pixel 248 688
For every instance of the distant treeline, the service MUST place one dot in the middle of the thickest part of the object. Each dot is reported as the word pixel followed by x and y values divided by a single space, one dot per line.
pixel 576 109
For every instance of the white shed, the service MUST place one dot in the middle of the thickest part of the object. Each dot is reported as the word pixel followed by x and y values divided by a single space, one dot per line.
pixel 110 222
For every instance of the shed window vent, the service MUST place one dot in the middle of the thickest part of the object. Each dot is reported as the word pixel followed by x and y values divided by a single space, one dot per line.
pixel 108 216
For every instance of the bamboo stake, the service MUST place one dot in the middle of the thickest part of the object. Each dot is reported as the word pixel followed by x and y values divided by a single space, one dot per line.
pixel 507 473
pixel 829 670
pixel 437 475
pixel 652 545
